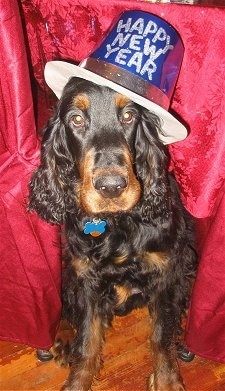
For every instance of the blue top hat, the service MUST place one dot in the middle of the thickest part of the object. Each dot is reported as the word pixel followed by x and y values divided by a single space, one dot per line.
pixel 140 58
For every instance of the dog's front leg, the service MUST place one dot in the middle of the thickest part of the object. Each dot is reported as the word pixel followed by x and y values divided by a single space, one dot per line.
pixel 85 351
pixel 166 375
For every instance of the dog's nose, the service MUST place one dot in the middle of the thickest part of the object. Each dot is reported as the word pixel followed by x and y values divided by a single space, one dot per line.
pixel 110 186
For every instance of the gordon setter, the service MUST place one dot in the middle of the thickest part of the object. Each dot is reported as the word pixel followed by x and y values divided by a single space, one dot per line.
pixel 129 241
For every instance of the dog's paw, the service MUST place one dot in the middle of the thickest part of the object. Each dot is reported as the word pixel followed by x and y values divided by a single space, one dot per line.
pixel 151 383
pixel 61 353
pixel 175 386
pixel 67 388
pixel 62 346
pixel 75 386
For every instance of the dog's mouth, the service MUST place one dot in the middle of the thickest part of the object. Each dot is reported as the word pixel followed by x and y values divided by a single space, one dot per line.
pixel 108 189
pixel 109 193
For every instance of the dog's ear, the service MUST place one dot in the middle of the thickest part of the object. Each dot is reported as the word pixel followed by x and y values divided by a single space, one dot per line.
pixel 52 185
pixel 151 167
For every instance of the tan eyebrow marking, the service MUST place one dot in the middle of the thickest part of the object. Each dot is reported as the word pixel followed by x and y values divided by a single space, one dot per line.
pixel 121 101
pixel 81 102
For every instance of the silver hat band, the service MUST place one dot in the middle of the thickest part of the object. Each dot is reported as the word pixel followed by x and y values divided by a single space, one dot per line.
pixel 127 80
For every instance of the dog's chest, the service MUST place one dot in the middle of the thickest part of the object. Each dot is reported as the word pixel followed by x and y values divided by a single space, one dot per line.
pixel 119 265
pixel 134 268
pixel 132 280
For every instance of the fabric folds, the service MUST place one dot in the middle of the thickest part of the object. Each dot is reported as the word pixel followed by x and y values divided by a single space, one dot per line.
pixel 29 247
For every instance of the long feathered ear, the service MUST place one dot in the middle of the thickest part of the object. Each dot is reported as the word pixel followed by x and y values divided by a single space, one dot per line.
pixel 52 184
pixel 151 167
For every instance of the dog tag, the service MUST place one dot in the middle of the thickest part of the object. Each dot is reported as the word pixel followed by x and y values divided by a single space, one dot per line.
pixel 95 228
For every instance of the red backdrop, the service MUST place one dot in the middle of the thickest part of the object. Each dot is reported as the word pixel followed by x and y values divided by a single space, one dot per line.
pixel 70 29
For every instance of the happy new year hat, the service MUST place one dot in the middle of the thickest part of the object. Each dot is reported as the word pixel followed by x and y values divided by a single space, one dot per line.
pixel 139 58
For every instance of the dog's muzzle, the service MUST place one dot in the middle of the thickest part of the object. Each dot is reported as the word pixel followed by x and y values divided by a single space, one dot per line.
pixel 110 186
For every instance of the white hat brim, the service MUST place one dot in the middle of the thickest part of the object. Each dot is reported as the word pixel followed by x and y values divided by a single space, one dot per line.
pixel 58 73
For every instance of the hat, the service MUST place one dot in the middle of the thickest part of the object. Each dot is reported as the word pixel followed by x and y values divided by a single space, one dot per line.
pixel 140 58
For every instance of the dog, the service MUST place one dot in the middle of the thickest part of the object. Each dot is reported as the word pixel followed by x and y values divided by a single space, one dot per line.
pixel 129 241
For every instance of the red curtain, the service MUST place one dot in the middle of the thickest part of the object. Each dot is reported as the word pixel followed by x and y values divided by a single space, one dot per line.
pixel 29 248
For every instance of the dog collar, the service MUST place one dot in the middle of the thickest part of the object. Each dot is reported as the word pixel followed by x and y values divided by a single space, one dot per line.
pixel 95 228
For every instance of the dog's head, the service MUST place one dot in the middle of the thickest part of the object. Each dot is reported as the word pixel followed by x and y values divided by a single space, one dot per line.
pixel 100 153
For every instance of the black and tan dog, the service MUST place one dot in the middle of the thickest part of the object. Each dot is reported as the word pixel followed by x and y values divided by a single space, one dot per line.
pixel 104 175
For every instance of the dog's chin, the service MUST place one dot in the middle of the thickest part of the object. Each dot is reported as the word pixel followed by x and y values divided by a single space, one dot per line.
pixel 98 205
pixel 94 203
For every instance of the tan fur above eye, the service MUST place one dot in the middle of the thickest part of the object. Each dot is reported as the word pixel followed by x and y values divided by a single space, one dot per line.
pixel 121 101
pixel 82 102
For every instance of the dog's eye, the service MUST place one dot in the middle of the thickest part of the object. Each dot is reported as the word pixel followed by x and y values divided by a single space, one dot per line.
pixel 127 117
pixel 78 121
